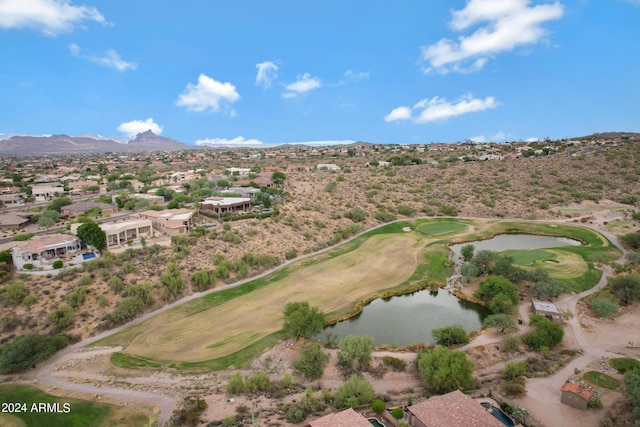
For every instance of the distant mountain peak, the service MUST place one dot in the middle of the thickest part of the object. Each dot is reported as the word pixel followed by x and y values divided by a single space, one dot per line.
pixel 146 135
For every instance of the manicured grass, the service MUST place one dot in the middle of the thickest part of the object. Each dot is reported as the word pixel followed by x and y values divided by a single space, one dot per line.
pixel 526 258
pixel 601 380
pixel 624 364
pixel 127 361
pixel 440 227
pixel 82 413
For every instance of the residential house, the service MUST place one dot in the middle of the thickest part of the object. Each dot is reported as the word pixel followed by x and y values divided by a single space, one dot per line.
pixel 249 192
pixel 43 250
pixel 346 418
pixel 575 395
pixel 124 232
pixel 12 199
pixel 225 205
pixel 170 222
pixel 13 220
pixel 43 192
pixel 454 409
pixel 328 166
pixel 82 208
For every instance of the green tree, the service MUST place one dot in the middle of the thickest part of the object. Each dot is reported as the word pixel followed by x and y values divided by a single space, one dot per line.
pixel 444 370
pixel 501 304
pixel 354 392
pixel 48 219
pixel 397 413
pixel 278 177
pixel 91 233
pixel 57 204
pixel 467 252
pixel 450 335
pixel 484 260
pixel 631 239
pixel 501 321
pixel 545 334
pixel 302 320
pixel 626 287
pixel 494 285
pixel 378 406
pixel 27 350
pixel 172 280
pixel 469 271
pixel 355 353
pixel 312 362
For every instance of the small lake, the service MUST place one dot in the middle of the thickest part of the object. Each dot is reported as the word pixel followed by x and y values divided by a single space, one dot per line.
pixel 503 242
pixel 409 319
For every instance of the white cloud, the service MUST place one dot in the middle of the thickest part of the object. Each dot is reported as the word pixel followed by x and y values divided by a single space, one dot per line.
pixel 400 113
pixel 323 143
pixel 438 109
pixel 51 17
pixel 239 141
pixel 497 137
pixel 304 84
pixel 207 94
pixel 534 139
pixel 267 72
pixel 135 127
pixel 110 59
pixel 503 25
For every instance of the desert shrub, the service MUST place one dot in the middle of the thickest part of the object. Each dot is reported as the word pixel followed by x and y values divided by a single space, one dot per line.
pixel 57 264
pixel 355 353
pixel 295 415
pixel 511 343
pixel 515 388
pixel 235 384
pixel 631 239
pixel 448 210
pixel 13 294
pixel 450 335
pixel 396 364
pixel 86 279
pixel 626 287
pixel 61 318
pixel 444 370
pixel 354 392
pixel 76 297
pixel 514 370
pixel 603 307
pixel 116 284
pixel 290 254
pixel 356 215
pixel 203 279
pixel 9 323
pixel 406 210
pixel 311 362
pixel 330 187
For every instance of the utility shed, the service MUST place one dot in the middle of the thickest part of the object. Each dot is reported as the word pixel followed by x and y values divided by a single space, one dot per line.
pixel 547 309
pixel 575 395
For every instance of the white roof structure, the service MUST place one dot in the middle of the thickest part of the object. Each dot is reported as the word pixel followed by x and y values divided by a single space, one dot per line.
pixel 545 306
pixel 226 201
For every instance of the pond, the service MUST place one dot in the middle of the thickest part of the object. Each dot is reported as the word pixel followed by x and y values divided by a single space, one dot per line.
pixel 409 319
pixel 502 242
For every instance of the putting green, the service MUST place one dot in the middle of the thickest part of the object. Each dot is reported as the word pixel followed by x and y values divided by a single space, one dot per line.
pixel 441 227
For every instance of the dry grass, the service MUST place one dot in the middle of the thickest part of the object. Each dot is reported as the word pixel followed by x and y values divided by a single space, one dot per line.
pixel 333 285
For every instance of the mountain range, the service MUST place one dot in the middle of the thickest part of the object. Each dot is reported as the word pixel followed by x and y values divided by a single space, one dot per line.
pixel 86 144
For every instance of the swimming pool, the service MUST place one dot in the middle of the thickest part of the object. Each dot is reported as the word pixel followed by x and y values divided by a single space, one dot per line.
pixel 375 423
pixel 499 414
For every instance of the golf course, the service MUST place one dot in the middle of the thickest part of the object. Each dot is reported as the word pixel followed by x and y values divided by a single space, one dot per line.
pixel 228 327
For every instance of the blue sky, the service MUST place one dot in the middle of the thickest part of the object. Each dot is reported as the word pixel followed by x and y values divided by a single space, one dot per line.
pixel 257 72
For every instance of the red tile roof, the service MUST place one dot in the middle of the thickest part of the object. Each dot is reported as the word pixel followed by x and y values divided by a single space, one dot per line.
pixel 578 390
pixel 346 418
pixel 454 409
